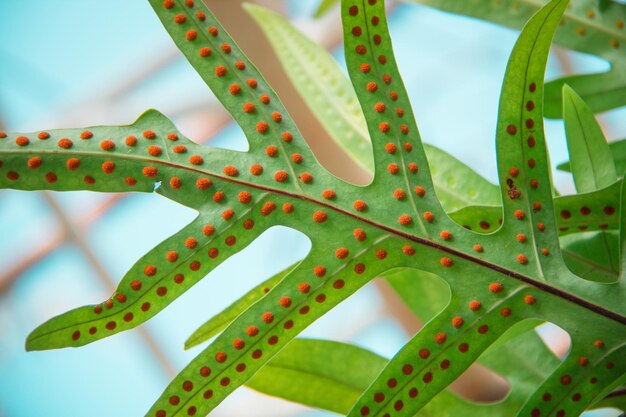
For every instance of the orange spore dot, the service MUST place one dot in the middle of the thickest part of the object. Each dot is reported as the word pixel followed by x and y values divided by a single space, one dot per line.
pixel 256 169
pixel 226 48
pixel 521 237
pixel 583 361
pixel 400 112
pixel 360 235
pixel 244 197
pixel 262 127
pixel 284 301
pixel 440 338
pixel 306 177
pixel 240 65
pixel 168 4
pixel 341 253
pixel 175 183
pixel 478 248
pixel 208 230
pixel 281 176
pixel 445 235
pixel 3 135
pixel 328 194
pixel 522 259
pixel 130 181
pixel 191 243
pixel 387 79
pixel 204 52
pixel 267 317
pixel 34 162
pixel 51 177
pixel 172 136
pixel 65 143
pixel 319 271
pixel 320 217
pixel 304 287
pixel 360 49
pixel 108 167
pixel 86 134
pixel 191 35
pixel 519 214
pixel 13 176
pixel 446 262
pixel 390 148
pixel 505 312
pixel 150 171
pixel 405 220
pixel 135 285
pixel 384 127
pixel 228 214
pixel 429 217
pixel 150 270
pixel 360 205
pixel 252 331
pixel 399 194
pixel 599 344
pixel 381 254
pixel 359 268
pixel 180 19
pixel 248 107
pixel 179 149
pixel 155 150
pixel 408 250
pixel 420 191
pixel 511 130
pixel 43 135
pixel 221 357
pixel 171 256
pixel 530 300
pixel 131 140
pixel 231 171
pixel 239 344
pixel 404 129
pixel 534 183
pixel 413 167
pixel 457 322
pixel 287 137
pixel 371 87
pixel 252 83
pixel 277 117
pixel 196 160
pixel 288 208
pixel 268 208
pixel 393 169
pixel 271 151
pixel 203 183
pixel 220 70
pixel 234 89
pixel 475 305
pixel 213 31
pixel 496 287
pixel 380 107
pixel 541 226
pixel 107 145
pixel 424 353
pixel 213 253
pixel 149 134
pixel 545 251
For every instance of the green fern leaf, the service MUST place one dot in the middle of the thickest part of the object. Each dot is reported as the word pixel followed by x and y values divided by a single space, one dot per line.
pixel 357 233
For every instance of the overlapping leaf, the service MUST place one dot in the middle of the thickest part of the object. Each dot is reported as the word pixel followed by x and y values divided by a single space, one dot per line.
pixel 357 233
pixel 589 26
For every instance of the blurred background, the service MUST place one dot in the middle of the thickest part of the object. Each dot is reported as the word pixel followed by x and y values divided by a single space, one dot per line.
pixel 78 63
